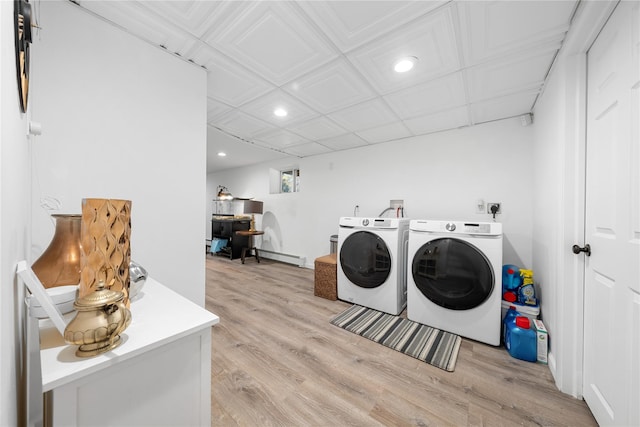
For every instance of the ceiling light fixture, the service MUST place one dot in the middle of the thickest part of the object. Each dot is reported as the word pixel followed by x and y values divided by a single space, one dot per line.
pixel 222 154
pixel 405 64
pixel 280 112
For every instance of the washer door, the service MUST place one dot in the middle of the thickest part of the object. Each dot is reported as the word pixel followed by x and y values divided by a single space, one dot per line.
pixel 453 273
pixel 365 259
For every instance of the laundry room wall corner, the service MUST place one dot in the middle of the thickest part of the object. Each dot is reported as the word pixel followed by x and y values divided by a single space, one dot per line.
pixel 439 176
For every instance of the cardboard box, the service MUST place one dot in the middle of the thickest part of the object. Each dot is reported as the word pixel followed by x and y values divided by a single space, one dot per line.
pixel 542 340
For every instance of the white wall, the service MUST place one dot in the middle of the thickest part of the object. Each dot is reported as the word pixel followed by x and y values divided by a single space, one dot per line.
pixel 558 159
pixel 439 176
pixel 121 119
pixel 551 199
pixel 14 200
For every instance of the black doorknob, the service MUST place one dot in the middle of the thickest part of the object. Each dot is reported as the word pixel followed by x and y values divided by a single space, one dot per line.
pixel 586 249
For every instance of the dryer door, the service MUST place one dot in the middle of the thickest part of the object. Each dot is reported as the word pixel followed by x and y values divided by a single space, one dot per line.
pixel 365 259
pixel 453 273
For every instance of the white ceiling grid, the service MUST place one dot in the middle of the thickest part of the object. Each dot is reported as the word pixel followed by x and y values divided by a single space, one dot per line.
pixel 330 64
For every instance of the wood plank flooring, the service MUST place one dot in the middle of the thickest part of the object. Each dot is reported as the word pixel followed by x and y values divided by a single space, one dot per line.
pixel 277 361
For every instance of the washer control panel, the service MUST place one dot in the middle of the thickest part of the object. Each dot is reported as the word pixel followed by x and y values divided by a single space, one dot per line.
pixel 372 222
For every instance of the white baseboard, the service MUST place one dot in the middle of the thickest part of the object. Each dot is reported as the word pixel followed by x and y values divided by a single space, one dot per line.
pixel 288 258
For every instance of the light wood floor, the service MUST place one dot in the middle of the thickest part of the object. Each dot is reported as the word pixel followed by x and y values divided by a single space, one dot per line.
pixel 277 361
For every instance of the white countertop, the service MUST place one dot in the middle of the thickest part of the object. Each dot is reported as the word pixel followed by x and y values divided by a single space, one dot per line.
pixel 158 316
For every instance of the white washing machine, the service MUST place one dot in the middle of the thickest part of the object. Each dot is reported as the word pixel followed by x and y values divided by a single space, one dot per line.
pixel 454 273
pixel 372 262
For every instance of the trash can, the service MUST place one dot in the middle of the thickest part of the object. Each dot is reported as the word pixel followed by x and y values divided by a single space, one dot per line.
pixel 333 248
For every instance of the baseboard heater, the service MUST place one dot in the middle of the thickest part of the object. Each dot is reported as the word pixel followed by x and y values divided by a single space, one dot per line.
pixel 279 256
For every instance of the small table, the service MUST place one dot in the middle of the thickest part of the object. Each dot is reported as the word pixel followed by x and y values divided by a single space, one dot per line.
pixel 249 233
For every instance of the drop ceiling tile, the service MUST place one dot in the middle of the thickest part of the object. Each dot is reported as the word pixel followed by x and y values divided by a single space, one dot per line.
pixel 431 39
pixel 280 138
pixel 385 133
pixel 450 119
pixel 239 153
pixel 331 87
pixel 343 142
pixel 515 74
pixel 194 16
pixel 366 115
pixel 441 94
pixel 264 106
pixel 134 18
pixel 318 128
pixel 243 125
pixel 227 81
pixel 304 150
pixel 352 23
pixel 331 60
pixel 215 109
pixel 272 39
pixel 489 29
pixel 500 108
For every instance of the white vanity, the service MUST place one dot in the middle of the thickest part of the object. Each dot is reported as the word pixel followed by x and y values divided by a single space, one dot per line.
pixel 159 375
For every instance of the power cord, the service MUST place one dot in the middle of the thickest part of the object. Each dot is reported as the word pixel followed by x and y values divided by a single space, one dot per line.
pixel 494 211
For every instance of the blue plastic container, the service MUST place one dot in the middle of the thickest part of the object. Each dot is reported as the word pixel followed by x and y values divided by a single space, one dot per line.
pixel 510 317
pixel 520 340
pixel 511 279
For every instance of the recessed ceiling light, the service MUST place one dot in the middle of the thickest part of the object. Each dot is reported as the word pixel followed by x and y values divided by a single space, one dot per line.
pixel 222 154
pixel 280 112
pixel 405 64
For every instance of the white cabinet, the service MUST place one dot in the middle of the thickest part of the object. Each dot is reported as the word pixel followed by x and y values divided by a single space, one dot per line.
pixel 159 375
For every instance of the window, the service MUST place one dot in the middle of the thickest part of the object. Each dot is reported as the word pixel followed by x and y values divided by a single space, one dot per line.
pixel 284 180
pixel 290 181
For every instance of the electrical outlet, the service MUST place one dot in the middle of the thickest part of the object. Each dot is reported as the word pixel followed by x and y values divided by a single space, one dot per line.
pixel 490 205
pixel 395 204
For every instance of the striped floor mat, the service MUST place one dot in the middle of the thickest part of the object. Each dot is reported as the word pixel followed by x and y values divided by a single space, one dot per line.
pixel 436 347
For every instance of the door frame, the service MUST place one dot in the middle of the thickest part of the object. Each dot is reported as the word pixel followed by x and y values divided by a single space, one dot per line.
pixel 612 288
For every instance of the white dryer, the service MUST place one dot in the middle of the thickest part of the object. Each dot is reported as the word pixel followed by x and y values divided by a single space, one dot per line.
pixel 372 262
pixel 454 277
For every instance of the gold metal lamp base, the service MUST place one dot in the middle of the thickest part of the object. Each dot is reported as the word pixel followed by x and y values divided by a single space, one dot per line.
pixel 94 349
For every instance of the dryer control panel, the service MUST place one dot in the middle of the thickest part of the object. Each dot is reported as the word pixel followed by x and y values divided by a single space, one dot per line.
pixel 477 228
pixel 457 227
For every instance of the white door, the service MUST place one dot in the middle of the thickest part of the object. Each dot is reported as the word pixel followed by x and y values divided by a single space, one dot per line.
pixel 612 222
